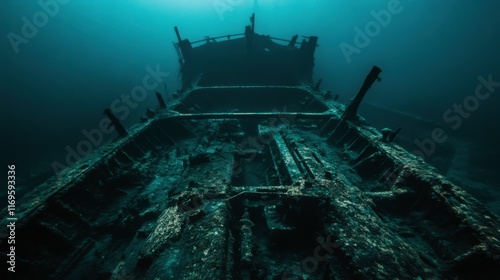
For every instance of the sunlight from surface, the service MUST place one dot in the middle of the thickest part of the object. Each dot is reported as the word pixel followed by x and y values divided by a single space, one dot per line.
pixel 206 5
pixel 182 4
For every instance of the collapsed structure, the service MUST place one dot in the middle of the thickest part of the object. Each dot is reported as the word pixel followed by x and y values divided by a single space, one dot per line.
pixel 250 172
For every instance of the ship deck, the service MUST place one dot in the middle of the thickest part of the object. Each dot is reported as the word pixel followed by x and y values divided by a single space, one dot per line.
pixel 258 194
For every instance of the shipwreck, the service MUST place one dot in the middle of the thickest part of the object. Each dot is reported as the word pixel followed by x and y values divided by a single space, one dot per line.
pixel 253 171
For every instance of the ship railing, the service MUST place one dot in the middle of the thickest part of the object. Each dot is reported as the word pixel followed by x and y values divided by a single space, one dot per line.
pixel 227 37
pixel 208 39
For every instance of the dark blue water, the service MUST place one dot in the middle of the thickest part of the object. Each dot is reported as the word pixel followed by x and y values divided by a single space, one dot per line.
pixel 63 62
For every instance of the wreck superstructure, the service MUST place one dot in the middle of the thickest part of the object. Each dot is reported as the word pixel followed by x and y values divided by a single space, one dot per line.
pixel 251 172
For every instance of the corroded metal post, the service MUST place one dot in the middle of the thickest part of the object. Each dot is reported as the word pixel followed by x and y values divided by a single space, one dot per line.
pixel 293 41
pixel 249 36
pixel 252 20
pixel 177 34
pixel 352 108
pixel 116 123
pixel 184 45
pixel 161 101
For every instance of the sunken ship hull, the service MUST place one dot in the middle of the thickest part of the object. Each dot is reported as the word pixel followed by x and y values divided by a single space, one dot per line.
pixel 250 172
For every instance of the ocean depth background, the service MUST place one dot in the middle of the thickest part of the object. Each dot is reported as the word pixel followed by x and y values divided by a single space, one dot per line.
pixel 85 54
